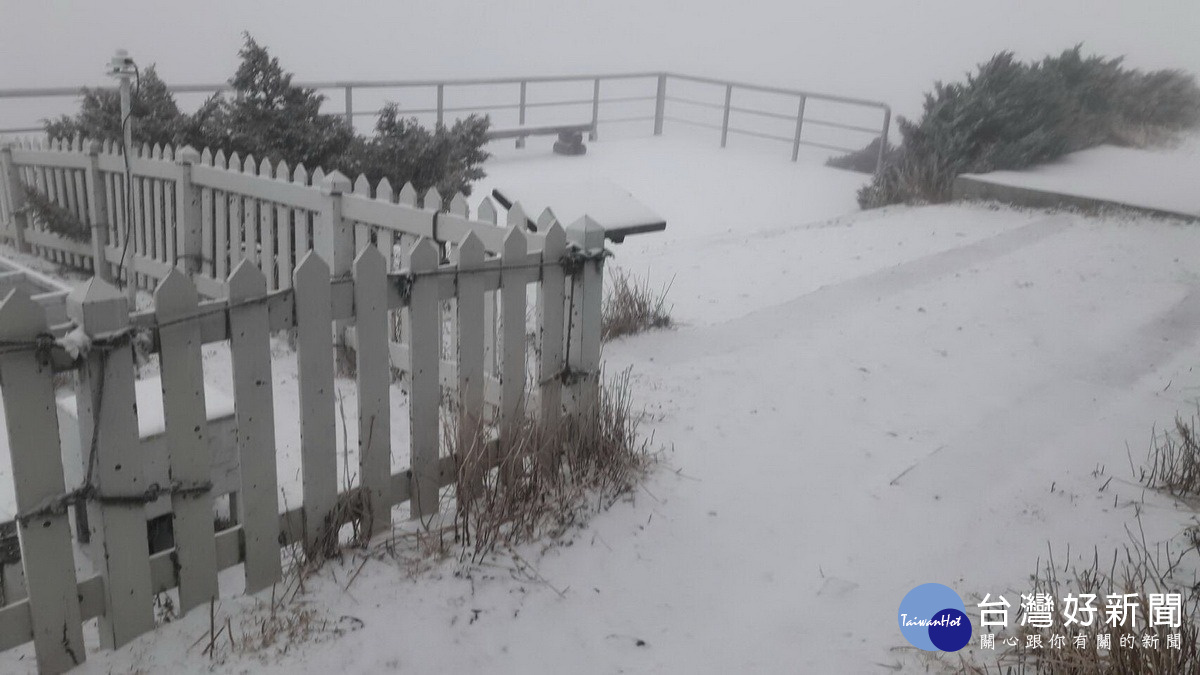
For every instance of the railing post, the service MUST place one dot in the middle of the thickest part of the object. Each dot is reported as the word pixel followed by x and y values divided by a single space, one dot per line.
pixel 883 138
pixel 799 128
pixel 16 198
pixel 521 115
pixel 97 212
pixel 350 106
pixel 595 109
pixel 725 119
pixel 586 236
pixel 441 103
pixel 188 233
pixel 660 104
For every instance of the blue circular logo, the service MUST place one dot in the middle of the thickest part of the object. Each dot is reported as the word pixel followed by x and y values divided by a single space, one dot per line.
pixel 932 617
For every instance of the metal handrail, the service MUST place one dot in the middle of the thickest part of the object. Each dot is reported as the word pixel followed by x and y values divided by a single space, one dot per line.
pixel 660 97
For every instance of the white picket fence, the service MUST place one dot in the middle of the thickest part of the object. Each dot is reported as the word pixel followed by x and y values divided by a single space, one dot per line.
pixel 201 225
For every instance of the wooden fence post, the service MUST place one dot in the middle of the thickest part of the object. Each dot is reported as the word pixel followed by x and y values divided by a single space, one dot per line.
pixel 334 235
pixel 552 310
pixel 318 430
pixel 108 428
pixel 513 294
pixel 188 455
pixel 468 256
pixel 587 292
pixel 374 383
pixel 425 390
pixel 46 556
pixel 250 349
pixel 97 210
pixel 16 198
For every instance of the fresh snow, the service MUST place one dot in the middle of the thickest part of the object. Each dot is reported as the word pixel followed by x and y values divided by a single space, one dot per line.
pixel 853 404
pixel 1162 179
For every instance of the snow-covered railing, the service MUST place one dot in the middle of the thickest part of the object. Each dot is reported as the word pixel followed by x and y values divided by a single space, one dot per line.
pixel 114 491
pixel 793 116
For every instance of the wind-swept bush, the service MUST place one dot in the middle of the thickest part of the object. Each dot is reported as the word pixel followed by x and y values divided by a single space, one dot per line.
pixel 447 158
pixel 1011 115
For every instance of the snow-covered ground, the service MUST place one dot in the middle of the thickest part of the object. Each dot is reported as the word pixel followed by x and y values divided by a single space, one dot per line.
pixel 852 405
pixel 1162 179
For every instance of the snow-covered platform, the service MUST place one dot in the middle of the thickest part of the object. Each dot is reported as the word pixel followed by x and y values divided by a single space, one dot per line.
pixel 1156 181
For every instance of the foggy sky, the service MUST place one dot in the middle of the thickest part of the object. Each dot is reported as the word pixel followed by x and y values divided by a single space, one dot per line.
pixel 890 50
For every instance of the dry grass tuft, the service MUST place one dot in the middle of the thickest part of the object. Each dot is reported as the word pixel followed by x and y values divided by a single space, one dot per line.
pixel 1141 649
pixel 633 306
pixel 270 630
pixel 1173 463
pixel 547 478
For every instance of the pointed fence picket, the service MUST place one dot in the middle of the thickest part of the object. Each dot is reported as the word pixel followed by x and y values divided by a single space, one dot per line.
pixel 277 248
pixel 176 303
pixel 107 418
pixel 46 555
pixel 314 357
pixel 250 351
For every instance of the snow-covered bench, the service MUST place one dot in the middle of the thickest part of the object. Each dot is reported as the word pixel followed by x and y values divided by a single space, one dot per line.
pixel 570 136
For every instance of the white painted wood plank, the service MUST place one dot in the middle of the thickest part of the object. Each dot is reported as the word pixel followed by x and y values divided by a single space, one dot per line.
pixel 188 454
pixel 235 224
pixel 268 259
pixel 318 442
pixel 159 223
pixel 206 234
pixel 250 350
pixel 221 234
pixel 46 556
pixel 118 528
pixel 552 310
pixel 469 255
pixel 424 386
pixel 588 290
pixel 362 235
pixel 374 381
pixel 512 346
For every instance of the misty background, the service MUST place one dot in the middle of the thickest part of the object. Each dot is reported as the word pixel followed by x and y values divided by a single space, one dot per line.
pixel 878 49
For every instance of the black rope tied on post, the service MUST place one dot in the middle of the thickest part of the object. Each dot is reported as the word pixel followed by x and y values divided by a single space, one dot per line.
pixel 58 505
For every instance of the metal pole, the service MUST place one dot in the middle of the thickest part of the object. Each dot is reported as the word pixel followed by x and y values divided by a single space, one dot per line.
pixel 725 121
pixel 799 127
pixel 127 112
pixel 595 109
pixel 521 116
pixel 660 104
pixel 441 93
pixel 121 68
pixel 350 106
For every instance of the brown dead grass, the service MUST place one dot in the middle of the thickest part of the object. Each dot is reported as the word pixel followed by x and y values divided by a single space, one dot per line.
pixel 633 306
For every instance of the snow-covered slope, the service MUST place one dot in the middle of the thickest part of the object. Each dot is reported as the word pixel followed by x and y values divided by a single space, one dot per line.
pixel 854 404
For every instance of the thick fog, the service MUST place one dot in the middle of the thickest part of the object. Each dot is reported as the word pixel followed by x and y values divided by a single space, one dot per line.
pixel 880 49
